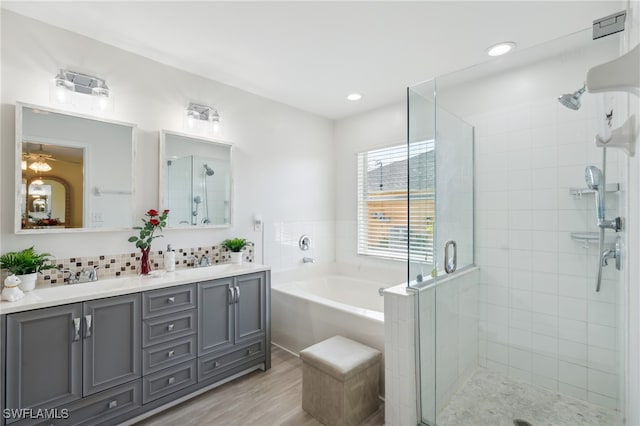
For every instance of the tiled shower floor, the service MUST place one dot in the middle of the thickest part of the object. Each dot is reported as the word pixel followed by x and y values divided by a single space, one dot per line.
pixel 490 399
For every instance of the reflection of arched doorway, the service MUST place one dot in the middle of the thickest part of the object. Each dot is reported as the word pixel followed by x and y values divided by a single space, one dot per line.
pixel 51 207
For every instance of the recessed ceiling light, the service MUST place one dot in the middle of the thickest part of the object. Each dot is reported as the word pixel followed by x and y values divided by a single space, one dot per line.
pixel 354 97
pixel 501 48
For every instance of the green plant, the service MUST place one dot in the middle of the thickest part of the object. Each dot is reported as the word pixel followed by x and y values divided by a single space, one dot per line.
pixel 235 244
pixel 156 221
pixel 25 262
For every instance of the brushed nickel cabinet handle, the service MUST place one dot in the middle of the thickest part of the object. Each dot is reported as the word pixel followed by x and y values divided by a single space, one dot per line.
pixel 170 354
pixel 232 295
pixel 88 325
pixel 170 327
pixel 113 404
pixel 171 380
pixel 76 329
pixel 237 294
pixel 171 299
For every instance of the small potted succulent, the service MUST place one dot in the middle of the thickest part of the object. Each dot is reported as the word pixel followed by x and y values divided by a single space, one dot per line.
pixel 235 246
pixel 25 265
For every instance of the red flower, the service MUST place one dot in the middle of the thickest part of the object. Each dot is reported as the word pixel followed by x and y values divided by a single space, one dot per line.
pixel 154 222
pixel 152 213
pixel 165 211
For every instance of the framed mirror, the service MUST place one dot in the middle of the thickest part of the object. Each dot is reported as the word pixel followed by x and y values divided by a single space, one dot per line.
pixel 196 181
pixel 73 172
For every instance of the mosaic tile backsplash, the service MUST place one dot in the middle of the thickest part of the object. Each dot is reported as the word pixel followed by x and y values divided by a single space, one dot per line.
pixel 127 264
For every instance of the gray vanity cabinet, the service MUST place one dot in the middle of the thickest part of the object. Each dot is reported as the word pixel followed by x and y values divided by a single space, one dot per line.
pixel 216 299
pixel 44 357
pixel 111 344
pixel 58 355
pixel 232 325
pixel 250 315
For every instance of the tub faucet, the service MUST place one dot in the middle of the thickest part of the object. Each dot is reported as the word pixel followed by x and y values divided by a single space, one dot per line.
pixel 307 260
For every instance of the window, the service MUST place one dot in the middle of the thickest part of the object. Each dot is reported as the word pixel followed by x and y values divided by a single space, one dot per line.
pixel 387 199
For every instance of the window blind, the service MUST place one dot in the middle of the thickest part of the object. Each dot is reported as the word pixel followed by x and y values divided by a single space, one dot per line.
pixel 396 211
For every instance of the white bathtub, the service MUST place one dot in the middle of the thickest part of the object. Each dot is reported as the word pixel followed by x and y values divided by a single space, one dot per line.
pixel 308 311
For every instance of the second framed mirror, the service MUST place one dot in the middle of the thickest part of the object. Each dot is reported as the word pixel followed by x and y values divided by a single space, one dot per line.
pixel 196 181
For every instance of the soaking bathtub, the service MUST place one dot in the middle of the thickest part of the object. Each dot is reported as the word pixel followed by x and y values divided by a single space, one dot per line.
pixel 305 311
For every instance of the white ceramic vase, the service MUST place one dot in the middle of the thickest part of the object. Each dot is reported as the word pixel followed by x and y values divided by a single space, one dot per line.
pixel 28 281
pixel 236 257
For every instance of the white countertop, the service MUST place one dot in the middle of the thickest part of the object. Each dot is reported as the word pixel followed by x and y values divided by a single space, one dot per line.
pixel 72 293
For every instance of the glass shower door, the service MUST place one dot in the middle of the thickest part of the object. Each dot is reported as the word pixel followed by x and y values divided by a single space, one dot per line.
pixel 441 215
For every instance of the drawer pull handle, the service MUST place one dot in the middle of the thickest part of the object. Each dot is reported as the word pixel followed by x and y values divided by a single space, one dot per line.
pixel 216 364
pixel 170 327
pixel 170 354
pixel 171 380
pixel 171 299
pixel 113 404
pixel 251 351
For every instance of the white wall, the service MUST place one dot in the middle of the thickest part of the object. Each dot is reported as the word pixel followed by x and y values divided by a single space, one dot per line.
pixel 283 156
pixel 379 128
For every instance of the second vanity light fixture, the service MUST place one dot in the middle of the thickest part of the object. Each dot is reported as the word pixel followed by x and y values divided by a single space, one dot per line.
pixel 196 115
pixel 67 83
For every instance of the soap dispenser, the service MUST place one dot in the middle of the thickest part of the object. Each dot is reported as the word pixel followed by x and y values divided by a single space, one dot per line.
pixel 169 259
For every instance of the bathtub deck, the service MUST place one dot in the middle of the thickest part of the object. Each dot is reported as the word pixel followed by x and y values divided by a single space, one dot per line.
pixel 271 398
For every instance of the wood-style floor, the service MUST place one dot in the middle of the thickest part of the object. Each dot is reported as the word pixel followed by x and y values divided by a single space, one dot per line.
pixel 260 398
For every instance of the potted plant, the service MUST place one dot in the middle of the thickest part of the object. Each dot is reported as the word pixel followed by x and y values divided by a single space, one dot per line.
pixel 25 265
pixel 235 246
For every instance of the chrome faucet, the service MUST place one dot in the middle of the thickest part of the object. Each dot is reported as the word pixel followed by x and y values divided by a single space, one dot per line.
pixel 307 260
pixel 204 261
pixel 84 275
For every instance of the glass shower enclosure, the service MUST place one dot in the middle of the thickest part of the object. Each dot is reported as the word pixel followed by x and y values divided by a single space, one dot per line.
pixel 501 253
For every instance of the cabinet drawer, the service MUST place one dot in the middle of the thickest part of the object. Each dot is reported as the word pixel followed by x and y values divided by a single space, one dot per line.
pixel 96 408
pixel 164 355
pixel 214 364
pixel 168 300
pixel 168 327
pixel 169 380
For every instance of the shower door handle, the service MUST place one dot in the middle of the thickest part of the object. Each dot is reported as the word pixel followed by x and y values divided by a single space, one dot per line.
pixel 450 261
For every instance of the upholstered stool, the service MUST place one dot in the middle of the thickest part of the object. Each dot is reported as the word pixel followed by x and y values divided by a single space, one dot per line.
pixel 340 380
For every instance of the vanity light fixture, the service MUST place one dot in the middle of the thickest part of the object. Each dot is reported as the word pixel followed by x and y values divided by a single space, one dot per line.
pixel 67 83
pixel 24 165
pixel 501 48
pixel 195 114
pixel 37 181
pixel 354 97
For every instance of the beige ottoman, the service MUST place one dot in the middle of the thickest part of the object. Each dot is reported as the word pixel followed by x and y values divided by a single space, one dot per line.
pixel 340 381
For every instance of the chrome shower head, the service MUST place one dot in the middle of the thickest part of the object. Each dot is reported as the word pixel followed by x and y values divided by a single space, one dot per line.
pixel 593 177
pixel 208 170
pixel 572 100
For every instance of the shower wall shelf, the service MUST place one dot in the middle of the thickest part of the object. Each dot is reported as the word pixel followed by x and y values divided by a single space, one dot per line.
pixel 586 237
pixel 579 192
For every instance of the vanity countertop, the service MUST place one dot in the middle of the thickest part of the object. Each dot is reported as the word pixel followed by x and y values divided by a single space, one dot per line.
pixel 71 293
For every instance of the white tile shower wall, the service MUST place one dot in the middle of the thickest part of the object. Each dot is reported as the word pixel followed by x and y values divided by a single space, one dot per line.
pixel 400 357
pixel 282 250
pixel 541 320
pixel 455 346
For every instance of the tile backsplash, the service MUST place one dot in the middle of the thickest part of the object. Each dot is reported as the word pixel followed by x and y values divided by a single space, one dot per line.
pixel 127 264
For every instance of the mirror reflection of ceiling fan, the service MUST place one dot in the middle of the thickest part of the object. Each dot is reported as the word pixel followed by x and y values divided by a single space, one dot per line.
pixel 39 159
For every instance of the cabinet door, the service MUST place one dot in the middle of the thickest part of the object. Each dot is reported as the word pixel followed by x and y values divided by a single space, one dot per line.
pixel 250 312
pixel 215 320
pixel 112 342
pixel 44 357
